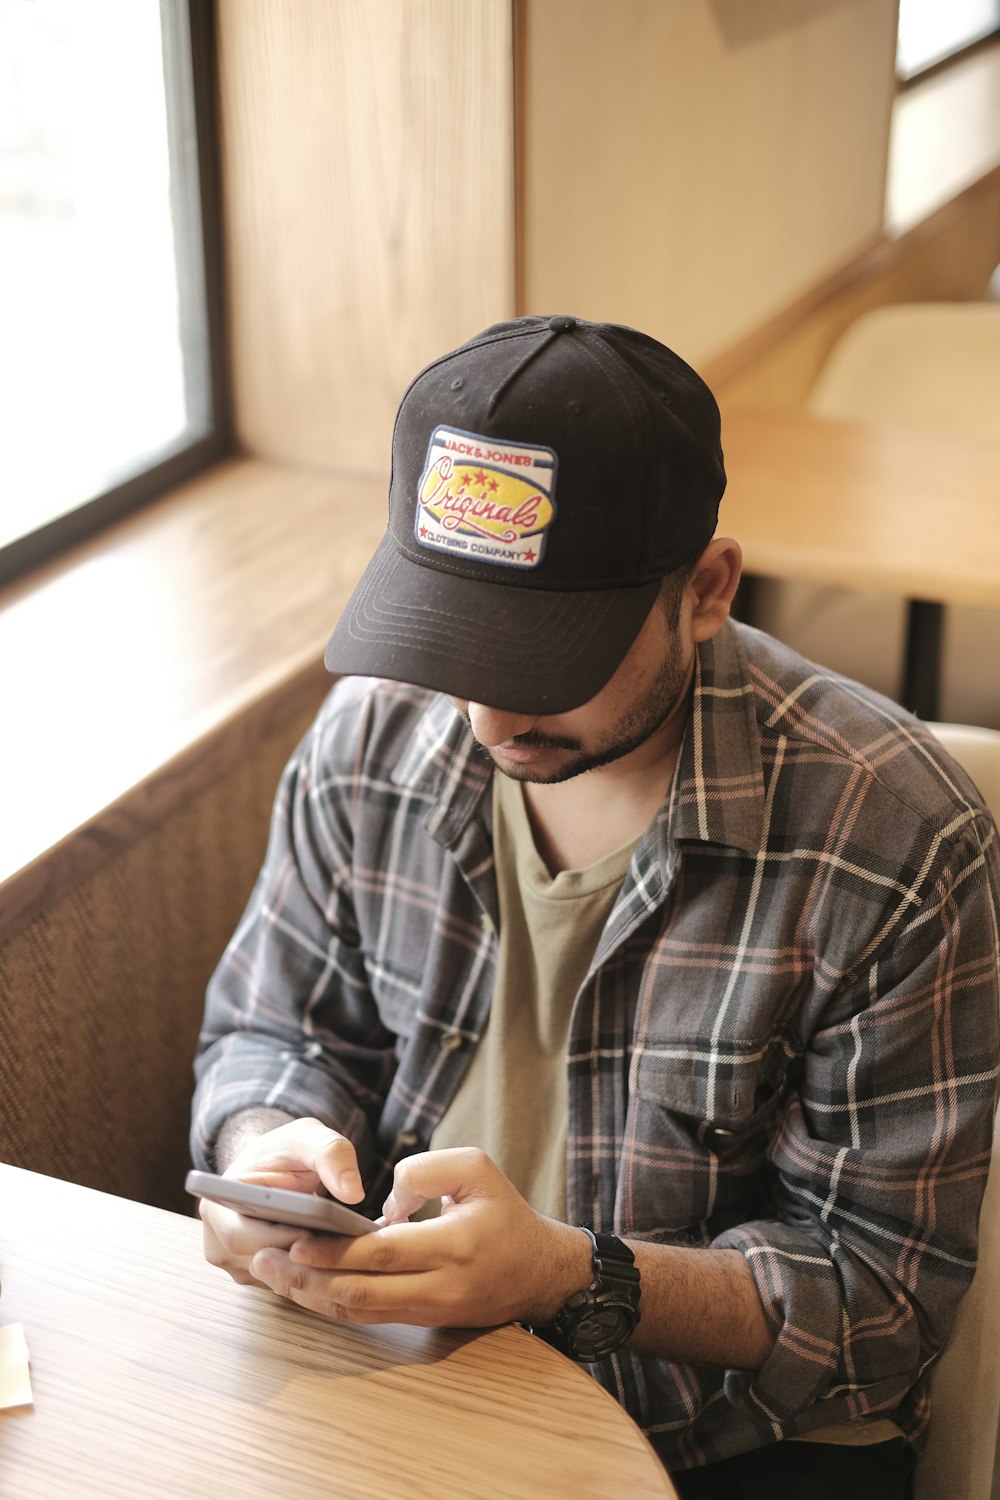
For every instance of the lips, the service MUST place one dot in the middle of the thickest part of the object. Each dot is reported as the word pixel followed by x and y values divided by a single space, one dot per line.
pixel 521 754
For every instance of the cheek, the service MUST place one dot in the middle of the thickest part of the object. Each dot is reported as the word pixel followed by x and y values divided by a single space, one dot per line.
pixel 643 677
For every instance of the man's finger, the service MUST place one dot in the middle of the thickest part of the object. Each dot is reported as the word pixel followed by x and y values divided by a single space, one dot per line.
pixel 347 1298
pixel 392 1251
pixel 459 1174
pixel 302 1155
pixel 337 1165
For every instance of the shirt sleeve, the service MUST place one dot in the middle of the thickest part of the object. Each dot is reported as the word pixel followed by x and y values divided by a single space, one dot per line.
pixel 880 1163
pixel 289 1021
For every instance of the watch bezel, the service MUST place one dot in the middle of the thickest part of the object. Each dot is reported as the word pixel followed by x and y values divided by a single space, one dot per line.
pixel 615 1288
pixel 571 1326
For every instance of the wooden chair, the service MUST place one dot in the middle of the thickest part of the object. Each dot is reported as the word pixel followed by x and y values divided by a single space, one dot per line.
pixel 930 365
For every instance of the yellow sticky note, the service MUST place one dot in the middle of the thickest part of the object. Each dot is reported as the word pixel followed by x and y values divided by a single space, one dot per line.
pixel 15 1382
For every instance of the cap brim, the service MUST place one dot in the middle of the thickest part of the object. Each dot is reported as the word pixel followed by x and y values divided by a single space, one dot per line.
pixel 525 650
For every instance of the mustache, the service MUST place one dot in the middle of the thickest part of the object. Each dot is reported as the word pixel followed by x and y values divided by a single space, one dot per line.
pixel 535 739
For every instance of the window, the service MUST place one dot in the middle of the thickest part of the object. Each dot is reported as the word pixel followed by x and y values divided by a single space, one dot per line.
pixel 932 30
pixel 109 375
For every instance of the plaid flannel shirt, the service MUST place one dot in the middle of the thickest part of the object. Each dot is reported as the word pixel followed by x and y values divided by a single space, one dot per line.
pixel 786 1043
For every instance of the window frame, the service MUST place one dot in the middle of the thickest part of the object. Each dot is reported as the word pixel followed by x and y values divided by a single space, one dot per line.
pixel 92 516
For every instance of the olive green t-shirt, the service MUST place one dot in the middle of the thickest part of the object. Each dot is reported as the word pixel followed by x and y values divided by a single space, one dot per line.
pixel 512 1101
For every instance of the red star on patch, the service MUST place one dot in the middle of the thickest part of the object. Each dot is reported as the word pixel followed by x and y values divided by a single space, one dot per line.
pixel 493 484
pixel 529 556
pixel 480 477
pixel 423 531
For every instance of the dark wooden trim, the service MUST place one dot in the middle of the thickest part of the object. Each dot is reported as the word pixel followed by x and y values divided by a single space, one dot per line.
pixel 204 64
pixel 134 491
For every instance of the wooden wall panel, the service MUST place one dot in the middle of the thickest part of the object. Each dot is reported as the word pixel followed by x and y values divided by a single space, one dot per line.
pixel 949 259
pixel 367 166
pixel 693 166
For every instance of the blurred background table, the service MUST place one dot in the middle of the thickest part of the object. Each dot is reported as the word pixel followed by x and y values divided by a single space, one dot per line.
pixel 154 1375
pixel 906 511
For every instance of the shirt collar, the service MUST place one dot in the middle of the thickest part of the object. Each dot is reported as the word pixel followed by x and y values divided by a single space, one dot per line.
pixel 717 795
pixel 443 764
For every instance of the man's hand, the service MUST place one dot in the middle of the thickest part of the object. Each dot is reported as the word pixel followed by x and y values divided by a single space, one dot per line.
pixel 302 1155
pixel 488 1259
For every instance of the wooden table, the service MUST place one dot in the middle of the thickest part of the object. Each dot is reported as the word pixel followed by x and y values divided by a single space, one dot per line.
pixel 154 1375
pixel 892 509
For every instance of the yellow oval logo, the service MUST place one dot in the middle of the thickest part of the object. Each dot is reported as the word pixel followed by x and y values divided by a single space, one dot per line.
pixel 478 501
pixel 486 498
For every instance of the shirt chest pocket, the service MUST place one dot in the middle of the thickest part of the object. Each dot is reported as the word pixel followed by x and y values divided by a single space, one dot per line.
pixel 700 1121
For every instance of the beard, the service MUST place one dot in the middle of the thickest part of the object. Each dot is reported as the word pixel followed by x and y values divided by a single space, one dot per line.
pixel 635 726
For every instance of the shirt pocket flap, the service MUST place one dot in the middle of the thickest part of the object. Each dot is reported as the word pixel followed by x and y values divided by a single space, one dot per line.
pixel 719 1089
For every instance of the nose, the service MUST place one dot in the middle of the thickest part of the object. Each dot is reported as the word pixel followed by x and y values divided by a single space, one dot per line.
pixel 494 726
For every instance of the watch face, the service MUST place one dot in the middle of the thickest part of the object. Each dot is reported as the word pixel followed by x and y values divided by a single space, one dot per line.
pixel 593 1323
pixel 600 1324
pixel 603 1329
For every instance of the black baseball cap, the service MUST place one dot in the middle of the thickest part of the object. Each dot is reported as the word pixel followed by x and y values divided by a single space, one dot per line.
pixel 545 477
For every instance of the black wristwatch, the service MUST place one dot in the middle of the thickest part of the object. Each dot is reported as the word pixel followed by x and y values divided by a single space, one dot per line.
pixel 593 1323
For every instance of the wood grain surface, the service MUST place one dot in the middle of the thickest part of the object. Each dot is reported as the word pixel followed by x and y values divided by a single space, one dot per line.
pixel 901 510
pixel 156 1376
pixel 367 173
pixel 693 168
pixel 145 661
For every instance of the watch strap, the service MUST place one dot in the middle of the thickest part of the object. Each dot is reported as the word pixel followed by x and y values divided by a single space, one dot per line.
pixel 612 1258
pixel 596 1321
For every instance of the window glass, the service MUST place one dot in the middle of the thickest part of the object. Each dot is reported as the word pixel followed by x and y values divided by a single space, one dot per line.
pixel 930 30
pixel 104 357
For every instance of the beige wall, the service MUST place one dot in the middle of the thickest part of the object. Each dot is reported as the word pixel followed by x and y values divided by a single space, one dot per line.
pixel 693 166
pixel 367 167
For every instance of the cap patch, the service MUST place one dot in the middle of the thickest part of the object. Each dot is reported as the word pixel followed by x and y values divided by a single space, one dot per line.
pixel 486 499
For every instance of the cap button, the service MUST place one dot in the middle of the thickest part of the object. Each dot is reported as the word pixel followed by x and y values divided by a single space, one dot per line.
pixel 562 325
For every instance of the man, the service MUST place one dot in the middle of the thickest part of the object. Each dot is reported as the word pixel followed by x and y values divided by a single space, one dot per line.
pixel 586 907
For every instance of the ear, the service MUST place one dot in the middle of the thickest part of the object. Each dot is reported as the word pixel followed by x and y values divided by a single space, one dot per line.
pixel 713 583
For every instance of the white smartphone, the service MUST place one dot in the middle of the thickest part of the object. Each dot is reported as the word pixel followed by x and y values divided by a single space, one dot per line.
pixel 279 1205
